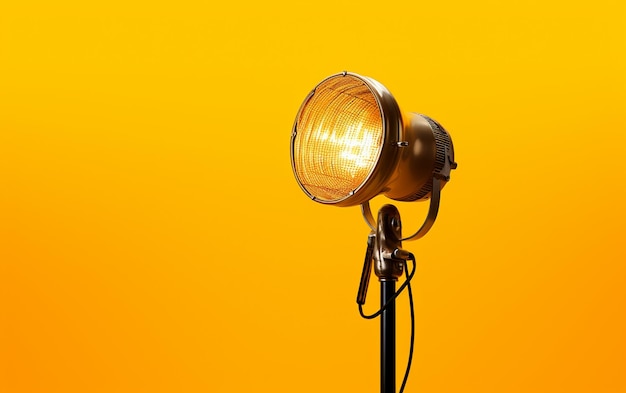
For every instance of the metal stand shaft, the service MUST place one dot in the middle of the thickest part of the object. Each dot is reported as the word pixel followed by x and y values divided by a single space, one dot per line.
pixel 381 252
pixel 388 338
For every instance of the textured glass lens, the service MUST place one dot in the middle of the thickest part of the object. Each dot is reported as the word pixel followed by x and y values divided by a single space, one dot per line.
pixel 339 135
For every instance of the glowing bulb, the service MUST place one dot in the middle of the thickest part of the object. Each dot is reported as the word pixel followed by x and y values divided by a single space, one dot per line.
pixel 341 121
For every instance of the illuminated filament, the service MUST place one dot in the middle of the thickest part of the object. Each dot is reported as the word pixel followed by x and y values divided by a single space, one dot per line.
pixel 339 138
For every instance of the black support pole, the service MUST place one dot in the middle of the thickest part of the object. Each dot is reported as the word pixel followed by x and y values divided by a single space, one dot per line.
pixel 388 338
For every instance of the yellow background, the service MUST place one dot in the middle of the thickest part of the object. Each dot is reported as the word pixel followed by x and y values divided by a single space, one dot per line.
pixel 153 239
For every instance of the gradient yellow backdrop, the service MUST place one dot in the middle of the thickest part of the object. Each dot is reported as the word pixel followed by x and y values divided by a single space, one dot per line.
pixel 152 238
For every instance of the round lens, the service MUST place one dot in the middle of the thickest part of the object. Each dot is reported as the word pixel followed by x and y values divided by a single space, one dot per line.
pixel 339 137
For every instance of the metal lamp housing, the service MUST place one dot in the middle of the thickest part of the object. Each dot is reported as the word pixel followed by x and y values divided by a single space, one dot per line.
pixel 413 150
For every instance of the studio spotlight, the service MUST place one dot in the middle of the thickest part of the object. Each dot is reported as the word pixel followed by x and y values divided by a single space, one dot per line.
pixel 350 142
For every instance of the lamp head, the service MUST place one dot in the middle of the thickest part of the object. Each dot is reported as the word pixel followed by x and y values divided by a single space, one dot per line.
pixel 350 143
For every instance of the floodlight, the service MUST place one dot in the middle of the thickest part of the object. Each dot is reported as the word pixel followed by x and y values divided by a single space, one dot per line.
pixel 350 142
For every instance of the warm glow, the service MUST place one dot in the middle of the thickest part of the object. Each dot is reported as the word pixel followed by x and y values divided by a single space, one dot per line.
pixel 339 138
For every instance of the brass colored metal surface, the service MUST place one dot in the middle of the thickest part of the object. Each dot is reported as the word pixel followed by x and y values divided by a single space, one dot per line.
pixel 417 160
pixel 366 211
pixel 433 210
pixel 350 143
pixel 388 240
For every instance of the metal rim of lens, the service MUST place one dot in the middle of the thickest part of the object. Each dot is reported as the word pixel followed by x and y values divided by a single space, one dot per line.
pixel 384 167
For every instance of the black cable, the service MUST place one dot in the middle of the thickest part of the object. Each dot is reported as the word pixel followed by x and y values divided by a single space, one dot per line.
pixel 412 308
